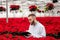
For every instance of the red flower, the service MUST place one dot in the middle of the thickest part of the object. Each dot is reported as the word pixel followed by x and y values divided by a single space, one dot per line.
pixel 50 6
pixel 1 28
pixel 33 8
pixel 2 9
pixel 58 11
pixel 39 11
pixel 50 38
pixel 14 7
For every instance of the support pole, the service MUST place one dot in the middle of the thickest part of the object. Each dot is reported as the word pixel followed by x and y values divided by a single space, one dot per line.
pixel 7 11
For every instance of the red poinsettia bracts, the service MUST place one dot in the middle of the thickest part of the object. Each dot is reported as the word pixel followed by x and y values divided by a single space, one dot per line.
pixel 40 11
pixel 58 11
pixel 50 6
pixel 14 7
pixel 2 8
pixel 33 8
pixel 51 24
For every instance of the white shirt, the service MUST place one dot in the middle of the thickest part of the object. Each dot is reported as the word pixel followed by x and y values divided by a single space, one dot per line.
pixel 37 31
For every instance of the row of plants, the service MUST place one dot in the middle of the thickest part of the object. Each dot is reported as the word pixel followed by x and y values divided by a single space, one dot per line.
pixel 48 6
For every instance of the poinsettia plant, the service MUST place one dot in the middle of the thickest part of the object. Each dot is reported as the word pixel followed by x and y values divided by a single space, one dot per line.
pixel 14 7
pixel 40 11
pixel 58 11
pixel 2 9
pixel 49 6
pixel 34 8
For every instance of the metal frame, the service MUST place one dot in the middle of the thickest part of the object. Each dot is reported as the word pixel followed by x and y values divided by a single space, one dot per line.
pixel 7 11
